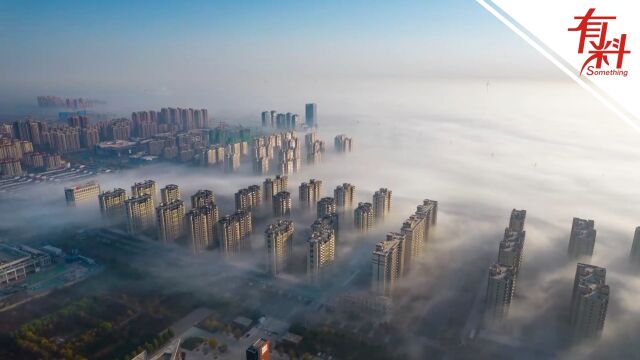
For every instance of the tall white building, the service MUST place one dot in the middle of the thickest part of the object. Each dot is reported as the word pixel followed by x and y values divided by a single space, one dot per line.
pixel 326 206
pixel 170 218
pixel 273 186
pixel 281 204
pixel 310 193
pixel 381 204
pixel 201 223
pixel 233 232
pixel 582 239
pixel 249 199
pixel 344 195
pixel 145 187
pixel 321 252
pixel 363 217
pixel 279 245
pixel 170 193
pixel 635 248
pixel 500 290
pixel 589 302
pixel 387 265
pixel 140 213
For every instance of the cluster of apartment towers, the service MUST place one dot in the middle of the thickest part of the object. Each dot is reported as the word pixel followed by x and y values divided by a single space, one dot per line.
pixel 590 295
pixel 205 229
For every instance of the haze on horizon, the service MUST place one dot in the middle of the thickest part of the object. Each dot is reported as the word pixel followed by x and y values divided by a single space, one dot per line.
pixel 236 58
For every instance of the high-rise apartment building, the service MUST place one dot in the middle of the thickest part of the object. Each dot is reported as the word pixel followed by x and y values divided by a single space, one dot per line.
pixel 77 193
pixel 635 248
pixel 387 265
pixel 589 302
pixel 201 224
pixel 279 244
pixel 311 115
pixel 267 119
pixel 231 162
pixel 233 231
pixel 330 219
pixel 511 249
pixel 281 204
pixel 500 290
pixel 344 195
pixel 343 143
pixel 170 193
pixel 249 199
pixel 140 213
pixel 413 230
pixel 274 186
pixel 363 217
pixel 517 219
pixel 10 168
pixel 310 193
pixel 112 203
pixel 321 252
pixel 202 198
pixel 145 187
pixel 170 220
pixel 381 204
pixel 583 238
pixel 326 206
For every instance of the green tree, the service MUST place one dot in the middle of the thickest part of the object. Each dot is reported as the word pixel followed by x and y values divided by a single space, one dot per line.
pixel 213 343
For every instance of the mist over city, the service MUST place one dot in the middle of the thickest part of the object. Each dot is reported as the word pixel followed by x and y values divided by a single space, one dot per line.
pixel 482 166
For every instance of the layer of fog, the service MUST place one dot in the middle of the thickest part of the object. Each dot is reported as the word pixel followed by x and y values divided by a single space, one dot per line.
pixel 480 149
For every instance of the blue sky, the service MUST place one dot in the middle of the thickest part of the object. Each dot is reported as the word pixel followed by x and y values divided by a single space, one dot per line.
pixel 97 48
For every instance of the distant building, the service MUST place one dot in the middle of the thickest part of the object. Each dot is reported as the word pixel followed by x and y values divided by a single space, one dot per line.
pixel 343 143
pixel 511 249
pixel 259 350
pixel 381 204
pixel 310 193
pixel 231 162
pixel 583 238
pixel 363 217
pixel 279 245
pixel 331 220
pixel 201 223
pixel 233 231
pixel 140 213
pixel 387 265
pixel 112 203
pixel 80 192
pixel 311 115
pixel 500 290
pixel 414 231
pixel 589 302
pixel 170 193
pixel 635 247
pixel 274 186
pixel 267 119
pixel 202 198
pixel 344 195
pixel 170 220
pixel 516 221
pixel 10 168
pixel 281 204
pixel 326 206
pixel 249 199
pixel 145 187
pixel 321 252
